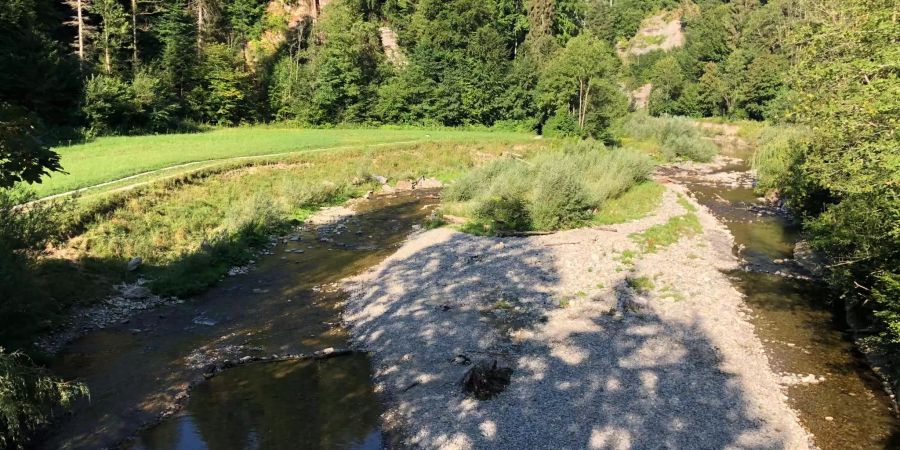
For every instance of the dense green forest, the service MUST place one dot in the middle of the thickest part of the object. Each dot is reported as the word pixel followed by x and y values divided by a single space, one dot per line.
pixel 823 74
pixel 114 67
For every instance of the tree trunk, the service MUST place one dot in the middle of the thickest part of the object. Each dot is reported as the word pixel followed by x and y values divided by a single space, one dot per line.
pixel 584 93
pixel 200 11
pixel 80 20
pixel 134 42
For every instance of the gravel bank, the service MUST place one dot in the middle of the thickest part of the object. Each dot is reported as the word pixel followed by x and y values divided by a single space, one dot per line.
pixel 596 363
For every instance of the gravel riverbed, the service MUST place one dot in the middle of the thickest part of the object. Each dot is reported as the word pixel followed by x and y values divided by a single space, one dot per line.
pixel 610 347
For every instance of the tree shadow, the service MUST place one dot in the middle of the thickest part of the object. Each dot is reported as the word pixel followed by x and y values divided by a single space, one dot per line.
pixel 585 377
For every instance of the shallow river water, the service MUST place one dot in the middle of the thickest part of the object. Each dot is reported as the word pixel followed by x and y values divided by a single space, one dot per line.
pixel 288 305
pixel 845 406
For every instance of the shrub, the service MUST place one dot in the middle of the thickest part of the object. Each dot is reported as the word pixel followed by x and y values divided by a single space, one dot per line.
pixel 521 126
pixel 687 147
pixel 560 199
pixel 28 395
pixel 482 180
pixel 778 151
pixel 555 190
pixel 108 104
pixel 504 213
pixel 22 232
pixel 561 124
pixel 678 137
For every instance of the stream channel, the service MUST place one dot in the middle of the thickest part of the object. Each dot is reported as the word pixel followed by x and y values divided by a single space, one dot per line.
pixel 290 304
pixel 837 396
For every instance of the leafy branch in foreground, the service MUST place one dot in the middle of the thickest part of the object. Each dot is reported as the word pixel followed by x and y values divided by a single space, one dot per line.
pixel 28 397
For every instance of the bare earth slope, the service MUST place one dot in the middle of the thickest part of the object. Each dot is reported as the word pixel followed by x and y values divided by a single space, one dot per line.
pixel 596 363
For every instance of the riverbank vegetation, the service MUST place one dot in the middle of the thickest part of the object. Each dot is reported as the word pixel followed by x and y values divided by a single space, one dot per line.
pixel 840 171
pixel 189 230
pixel 28 396
pixel 561 68
pixel 553 190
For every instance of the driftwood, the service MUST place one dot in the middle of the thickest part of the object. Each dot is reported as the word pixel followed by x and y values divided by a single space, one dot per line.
pixel 214 369
pixel 523 233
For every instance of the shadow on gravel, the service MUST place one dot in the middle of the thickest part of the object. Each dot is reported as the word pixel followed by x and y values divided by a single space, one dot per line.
pixel 590 380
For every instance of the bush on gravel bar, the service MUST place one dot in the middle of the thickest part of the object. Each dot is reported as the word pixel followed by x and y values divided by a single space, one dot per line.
pixel 555 190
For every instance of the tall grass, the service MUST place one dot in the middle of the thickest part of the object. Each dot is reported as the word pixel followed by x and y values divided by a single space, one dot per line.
pixel 189 232
pixel 678 137
pixel 778 150
pixel 553 190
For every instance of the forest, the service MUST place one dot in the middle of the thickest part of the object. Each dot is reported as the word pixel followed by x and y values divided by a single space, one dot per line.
pixel 820 78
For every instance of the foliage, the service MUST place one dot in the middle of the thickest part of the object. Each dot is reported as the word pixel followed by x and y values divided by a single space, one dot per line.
pixel 108 104
pixel 39 76
pixel 578 78
pixel 223 89
pixel 344 66
pixel 24 157
pixel 114 32
pixel 24 233
pixel 778 153
pixel 561 125
pixel 677 137
pixel 28 395
pixel 555 190
pixel 843 176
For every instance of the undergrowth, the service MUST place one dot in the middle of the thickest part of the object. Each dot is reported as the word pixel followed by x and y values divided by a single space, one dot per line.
pixel 676 138
pixel 553 190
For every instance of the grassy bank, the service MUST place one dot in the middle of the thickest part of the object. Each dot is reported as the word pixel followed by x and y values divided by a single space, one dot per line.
pixel 112 158
pixel 189 230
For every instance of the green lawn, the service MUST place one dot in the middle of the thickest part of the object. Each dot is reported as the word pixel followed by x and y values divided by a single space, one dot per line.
pixel 112 158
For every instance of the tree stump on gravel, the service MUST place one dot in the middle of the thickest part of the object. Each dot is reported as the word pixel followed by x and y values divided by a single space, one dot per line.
pixel 485 380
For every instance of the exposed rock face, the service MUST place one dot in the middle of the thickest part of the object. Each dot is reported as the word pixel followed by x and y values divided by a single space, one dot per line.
pixel 640 97
pixel 391 47
pixel 660 32
pixel 296 13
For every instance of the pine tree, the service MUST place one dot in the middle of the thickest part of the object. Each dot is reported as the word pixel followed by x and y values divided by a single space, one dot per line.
pixel 139 9
pixel 114 32
pixel 80 21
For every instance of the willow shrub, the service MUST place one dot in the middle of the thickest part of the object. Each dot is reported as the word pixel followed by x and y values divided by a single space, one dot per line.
pixel 28 396
pixel 678 137
pixel 553 190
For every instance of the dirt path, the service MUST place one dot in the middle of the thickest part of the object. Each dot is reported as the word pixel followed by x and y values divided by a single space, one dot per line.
pixel 611 347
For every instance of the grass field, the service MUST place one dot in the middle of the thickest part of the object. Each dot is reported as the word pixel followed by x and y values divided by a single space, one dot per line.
pixel 112 158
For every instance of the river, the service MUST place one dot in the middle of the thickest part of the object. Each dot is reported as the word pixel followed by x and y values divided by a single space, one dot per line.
pixel 290 304
pixel 840 401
